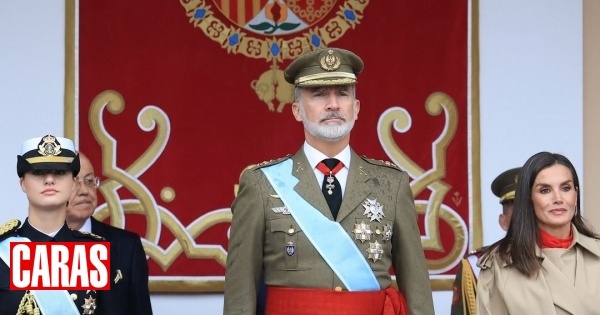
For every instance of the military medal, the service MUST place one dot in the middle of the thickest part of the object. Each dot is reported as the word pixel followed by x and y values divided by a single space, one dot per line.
pixel 375 251
pixel 89 307
pixel 290 249
pixel 387 232
pixel 330 184
pixel 330 173
pixel 373 210
pixel 362 232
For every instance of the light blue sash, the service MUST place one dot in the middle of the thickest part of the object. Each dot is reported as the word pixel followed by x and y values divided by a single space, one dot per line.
pixel 49 301
pixel 329 238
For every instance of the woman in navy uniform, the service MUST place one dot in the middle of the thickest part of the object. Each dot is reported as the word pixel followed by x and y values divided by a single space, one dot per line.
pixel 46 167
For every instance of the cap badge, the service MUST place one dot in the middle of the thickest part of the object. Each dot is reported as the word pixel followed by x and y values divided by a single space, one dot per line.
pixel 330 60
pixel 49 146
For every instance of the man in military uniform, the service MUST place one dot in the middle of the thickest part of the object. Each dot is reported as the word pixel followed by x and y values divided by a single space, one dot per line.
pixel 325 225
pixel 46 167
pixel 465 283
pixel 128 293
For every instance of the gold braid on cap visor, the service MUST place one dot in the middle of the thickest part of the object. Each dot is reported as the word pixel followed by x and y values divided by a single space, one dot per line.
pixel 50 159
pixel 345 77
pixel 509 195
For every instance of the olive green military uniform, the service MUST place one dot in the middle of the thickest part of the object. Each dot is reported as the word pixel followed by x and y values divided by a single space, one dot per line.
pixel 262 229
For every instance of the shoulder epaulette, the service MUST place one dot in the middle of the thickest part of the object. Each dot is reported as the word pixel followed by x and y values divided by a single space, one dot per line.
pixel 486 259
pixel 9 228
pixel 380 162
pixel 93 236
pixel 271 162
pixel 477 252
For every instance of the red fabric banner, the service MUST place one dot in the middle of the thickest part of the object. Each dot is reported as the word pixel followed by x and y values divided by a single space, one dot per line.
pixel 175 98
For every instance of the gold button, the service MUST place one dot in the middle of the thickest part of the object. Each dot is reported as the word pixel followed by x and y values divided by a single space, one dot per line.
pixel 74 296
pixel 378 231
pixel 338 289
pixel 290 231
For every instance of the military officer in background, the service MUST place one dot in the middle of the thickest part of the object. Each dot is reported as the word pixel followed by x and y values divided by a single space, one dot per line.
pixel 325 225
pixel 129 294
pixel 465 283
pixel 47 168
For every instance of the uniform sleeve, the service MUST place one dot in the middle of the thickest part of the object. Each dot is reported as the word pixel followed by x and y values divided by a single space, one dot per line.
pixel 408 258
pixel 139 292
pixel 458 307
pixel 245 253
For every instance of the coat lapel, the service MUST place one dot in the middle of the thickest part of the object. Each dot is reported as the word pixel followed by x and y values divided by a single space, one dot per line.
pixel 355 192
pixel 307 186
pixel 562 291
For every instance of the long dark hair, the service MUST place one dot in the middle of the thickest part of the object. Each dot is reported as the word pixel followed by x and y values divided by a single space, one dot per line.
pixel 519 245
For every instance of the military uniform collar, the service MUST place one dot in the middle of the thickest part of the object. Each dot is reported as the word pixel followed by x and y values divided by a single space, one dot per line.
pixel 315 156
pixel 35 235
pixel 87 226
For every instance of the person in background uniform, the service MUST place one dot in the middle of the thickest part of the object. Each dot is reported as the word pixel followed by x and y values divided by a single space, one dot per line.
pixel 47 168
pixel 129 294
pixel 549 261
pixel 465 283
pixel 325 225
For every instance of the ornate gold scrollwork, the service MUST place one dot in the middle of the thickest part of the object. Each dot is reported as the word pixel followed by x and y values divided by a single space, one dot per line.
pixel 433 208
pixel 149 118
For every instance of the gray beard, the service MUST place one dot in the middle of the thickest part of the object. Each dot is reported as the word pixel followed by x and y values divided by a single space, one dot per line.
pixel 330 131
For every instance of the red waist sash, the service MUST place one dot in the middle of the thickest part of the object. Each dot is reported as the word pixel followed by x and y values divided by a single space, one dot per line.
pixel 294 301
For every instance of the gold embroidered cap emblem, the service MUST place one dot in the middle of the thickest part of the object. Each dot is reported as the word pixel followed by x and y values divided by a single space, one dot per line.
pixel 49 146
pixel 330 60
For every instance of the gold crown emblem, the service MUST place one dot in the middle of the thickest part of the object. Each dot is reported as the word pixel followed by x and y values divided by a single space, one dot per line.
pixel 49 146
pixel 330 61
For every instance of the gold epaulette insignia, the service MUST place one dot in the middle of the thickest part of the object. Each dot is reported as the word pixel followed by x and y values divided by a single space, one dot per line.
pixel 261 164
pixel 380 162
pixel 92 235
pixel 10 226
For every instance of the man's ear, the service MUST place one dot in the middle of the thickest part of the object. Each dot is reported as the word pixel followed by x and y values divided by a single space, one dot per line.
pixel 296 111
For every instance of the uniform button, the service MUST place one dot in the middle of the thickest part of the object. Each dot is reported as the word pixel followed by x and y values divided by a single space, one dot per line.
pixel 338 289
pixel 290 231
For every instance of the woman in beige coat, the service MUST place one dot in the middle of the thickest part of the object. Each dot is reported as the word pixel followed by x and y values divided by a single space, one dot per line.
pixel 549 261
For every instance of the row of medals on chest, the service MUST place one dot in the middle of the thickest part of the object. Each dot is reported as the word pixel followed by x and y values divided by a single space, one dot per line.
pixel 365 231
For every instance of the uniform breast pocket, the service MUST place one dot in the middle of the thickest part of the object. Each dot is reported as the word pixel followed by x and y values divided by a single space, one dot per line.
pixel 289 245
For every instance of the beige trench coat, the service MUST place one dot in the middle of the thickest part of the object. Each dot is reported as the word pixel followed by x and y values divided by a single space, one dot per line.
pixel 502 289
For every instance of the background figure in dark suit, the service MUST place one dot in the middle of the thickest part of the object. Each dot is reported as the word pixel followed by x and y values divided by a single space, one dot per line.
pixel 129 292
pixel 46 167
pixel 325 225
pixel 465 283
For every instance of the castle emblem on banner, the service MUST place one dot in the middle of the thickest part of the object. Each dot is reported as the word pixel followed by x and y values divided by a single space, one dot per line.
pixel 276 31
